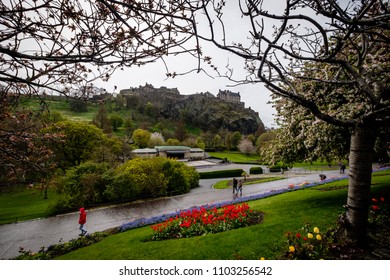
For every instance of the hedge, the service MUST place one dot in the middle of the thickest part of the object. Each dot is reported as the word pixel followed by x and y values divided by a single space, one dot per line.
pixel 256 170
pixel 278 168
pixel 221 174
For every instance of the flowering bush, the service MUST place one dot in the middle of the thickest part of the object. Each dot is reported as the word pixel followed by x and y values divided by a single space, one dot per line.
pixel 379 213
pixel 200 221
pixel 307 244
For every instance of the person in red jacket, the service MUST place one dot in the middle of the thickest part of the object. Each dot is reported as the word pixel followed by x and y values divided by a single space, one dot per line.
pixel 82 221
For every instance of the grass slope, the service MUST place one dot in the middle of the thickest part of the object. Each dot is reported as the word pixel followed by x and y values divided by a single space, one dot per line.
pixel 25 205
pixel 236 157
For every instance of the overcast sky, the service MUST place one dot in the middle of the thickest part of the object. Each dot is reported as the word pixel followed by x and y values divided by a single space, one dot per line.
pixel 254 96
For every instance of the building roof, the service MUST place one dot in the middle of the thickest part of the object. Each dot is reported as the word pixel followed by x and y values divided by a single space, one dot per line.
pixel 172 148
pixel 169 149
pixel 196 150
pixel 145 151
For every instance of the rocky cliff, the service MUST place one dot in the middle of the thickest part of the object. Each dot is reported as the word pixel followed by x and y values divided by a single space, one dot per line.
pixel 204 110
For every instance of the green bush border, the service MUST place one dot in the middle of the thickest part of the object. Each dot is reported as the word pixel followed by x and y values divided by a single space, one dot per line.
pixel 256 170
pixel 221 174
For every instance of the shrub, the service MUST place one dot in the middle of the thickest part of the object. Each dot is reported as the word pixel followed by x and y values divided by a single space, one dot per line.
pixel 83 185
pixel 256 170
pixel 151 177
pixel 221 174
pixel 181 177
pixel 278 168
pixel 62 248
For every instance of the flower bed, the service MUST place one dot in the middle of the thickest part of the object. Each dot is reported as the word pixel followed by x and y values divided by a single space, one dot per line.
pixel 200 221
pixel 158 219
pixel 308 244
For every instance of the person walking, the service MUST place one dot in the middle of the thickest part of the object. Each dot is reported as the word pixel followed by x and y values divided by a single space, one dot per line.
pixel 82 221
pixel 239 187
pixel 342 168
pixel 235 191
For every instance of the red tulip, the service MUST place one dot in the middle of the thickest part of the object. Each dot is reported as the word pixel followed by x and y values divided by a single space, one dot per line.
pixel 375 207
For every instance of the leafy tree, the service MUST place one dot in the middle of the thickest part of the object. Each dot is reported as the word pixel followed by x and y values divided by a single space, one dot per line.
pixel 80 140
pixel 217 141
pixel 51 117
pixel 228 141
pixel 119 102
pixel 265 138
pixel 116 122
pixel 101 119
pixel 112 150
pixel 208 139
pixel 236 138
pixel 173 142
pixel 128 126
pixel 180 131
pixel 264 145
pixel 159 127
pixel 149 109
pixel 141 137
pixel 200 144
pixel 252 138
pixel 78 105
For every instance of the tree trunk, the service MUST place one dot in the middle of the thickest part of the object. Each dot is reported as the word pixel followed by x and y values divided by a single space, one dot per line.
pixel 360 170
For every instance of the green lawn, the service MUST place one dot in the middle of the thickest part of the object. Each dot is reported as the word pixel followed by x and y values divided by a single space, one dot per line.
pixel 236 157
pixel 25 205
pixel 318 206
pixel 316 165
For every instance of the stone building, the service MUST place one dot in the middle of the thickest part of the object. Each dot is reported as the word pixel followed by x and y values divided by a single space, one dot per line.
pixel 229 96
pixel 178 152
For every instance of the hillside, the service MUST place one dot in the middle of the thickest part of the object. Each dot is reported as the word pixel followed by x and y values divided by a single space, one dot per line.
pixel 202 110
pixel 153 107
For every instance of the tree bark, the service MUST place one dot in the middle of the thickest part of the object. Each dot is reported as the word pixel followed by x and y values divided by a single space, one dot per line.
pixel 360 170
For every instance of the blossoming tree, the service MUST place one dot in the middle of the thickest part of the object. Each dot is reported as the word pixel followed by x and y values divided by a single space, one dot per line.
pixel 330 57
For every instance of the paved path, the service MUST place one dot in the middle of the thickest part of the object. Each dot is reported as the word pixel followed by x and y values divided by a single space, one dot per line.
pixel 34 234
